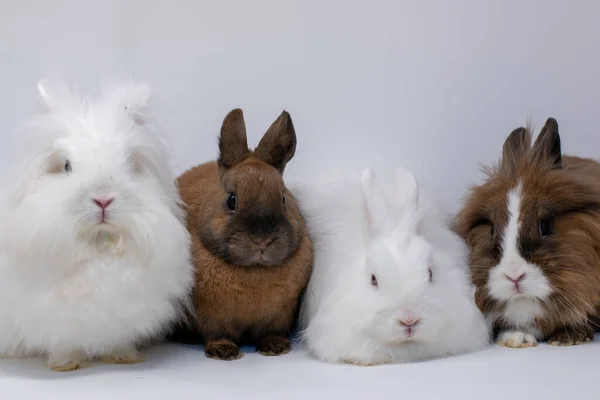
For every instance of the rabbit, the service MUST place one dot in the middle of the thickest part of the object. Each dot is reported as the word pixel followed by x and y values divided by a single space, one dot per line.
pixel 390 282
pixel 250 247
pixel 533 228
pixel 94 251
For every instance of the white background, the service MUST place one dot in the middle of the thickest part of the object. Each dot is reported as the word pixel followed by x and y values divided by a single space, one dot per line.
pixel 433 85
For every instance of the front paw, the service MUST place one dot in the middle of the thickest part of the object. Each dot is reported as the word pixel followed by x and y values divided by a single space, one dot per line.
pixel 516 339
pixel 69 361
pixel 223 349
pixel 274 346
pixel 571 336
pixel 125 356
pixel 360 363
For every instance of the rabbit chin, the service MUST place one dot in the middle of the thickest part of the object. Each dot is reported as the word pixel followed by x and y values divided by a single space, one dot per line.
pixel 405 341
pixel 109 236
pixel 239 255
pixel 392 334
pixel 264 259
pixel 96 226
pixel 401 337
pixel 101 233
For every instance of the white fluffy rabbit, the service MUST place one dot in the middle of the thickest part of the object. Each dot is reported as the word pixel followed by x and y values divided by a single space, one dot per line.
pixel 94 253
pixel 390 281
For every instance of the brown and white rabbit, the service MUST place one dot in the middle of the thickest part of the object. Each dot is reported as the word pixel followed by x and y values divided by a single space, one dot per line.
pixel 534 232
pixel 250 246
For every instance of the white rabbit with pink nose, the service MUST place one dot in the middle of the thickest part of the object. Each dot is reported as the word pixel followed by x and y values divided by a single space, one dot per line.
pixel 94 252
pixel 390 281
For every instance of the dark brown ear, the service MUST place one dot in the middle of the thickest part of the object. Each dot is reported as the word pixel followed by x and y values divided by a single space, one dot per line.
pixel 233 145
pixel 515 146
pixel 547 144
pixel 278 145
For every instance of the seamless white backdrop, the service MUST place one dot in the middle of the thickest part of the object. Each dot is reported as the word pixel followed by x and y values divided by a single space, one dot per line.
pixel 434 85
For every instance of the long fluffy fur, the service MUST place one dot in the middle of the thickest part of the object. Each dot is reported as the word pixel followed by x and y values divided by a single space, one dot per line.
pixel 341 319
pixel 68 289
pixel 559 294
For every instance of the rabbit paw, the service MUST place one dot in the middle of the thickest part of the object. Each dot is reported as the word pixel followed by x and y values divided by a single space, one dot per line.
pixel 516 340
pixel 360 363
pixel 571 336
pixel 274 346
pixel 125 356
pixel 69 361
pixel 223 349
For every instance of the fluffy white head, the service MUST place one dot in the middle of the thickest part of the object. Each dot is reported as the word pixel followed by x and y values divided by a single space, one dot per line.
pixel 96 170
pixel 94 255
pixel 404 296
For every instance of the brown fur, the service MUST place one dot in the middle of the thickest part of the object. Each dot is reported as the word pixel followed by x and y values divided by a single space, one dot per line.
pixel 561 189
pixel 240 297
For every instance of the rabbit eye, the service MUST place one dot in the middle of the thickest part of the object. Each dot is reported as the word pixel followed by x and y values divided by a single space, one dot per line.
pixel 545 227
pixel 430 275
pixel 284 199
pixel 68 166
pixel 484 222
pixel 374 281
pixel 231 202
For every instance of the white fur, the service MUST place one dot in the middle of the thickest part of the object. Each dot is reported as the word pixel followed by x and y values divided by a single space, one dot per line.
pixel 516 339
pixel 71 288
pixel 397 236
pixel 523 306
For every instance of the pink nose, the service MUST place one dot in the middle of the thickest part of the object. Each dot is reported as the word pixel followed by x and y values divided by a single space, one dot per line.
pixel 103 203
pixel 409 321
pixel 263 243
pixel 517 279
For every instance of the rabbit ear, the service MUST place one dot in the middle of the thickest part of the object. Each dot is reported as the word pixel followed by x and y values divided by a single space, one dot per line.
pixel 134 98
pixel 278 145
pixel 547 144
pixel 515 146
pixel 53 96
pixel 377 208
pixel 42 87
pixel 406 203
pixel 233 144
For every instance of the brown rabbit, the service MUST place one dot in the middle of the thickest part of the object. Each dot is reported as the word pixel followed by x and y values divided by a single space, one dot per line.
pixel 250 246
pixel 534 232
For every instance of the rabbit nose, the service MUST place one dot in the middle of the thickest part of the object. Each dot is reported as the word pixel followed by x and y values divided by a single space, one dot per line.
pixel 409 321
pixel 516 279
pixel 263 243
pixel 103 203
